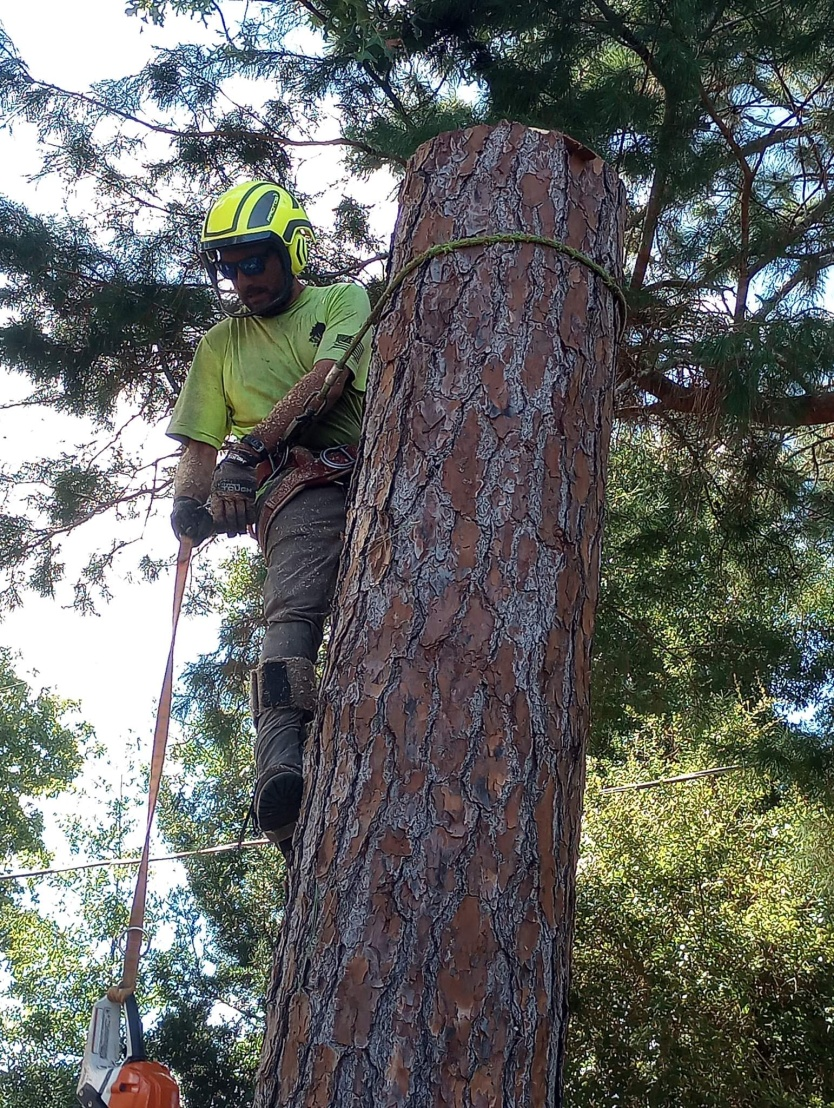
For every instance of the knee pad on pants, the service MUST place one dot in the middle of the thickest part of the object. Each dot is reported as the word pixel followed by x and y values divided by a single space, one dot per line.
pixel 284 683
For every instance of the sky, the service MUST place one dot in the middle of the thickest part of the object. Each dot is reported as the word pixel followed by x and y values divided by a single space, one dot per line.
pixel 112 663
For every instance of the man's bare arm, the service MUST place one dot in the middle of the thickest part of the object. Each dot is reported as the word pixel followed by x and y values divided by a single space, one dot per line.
pixel 195 469
pixel 234 483
pixel 272 429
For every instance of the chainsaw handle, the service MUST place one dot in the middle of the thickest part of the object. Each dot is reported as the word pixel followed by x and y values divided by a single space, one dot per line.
pixel 135 1040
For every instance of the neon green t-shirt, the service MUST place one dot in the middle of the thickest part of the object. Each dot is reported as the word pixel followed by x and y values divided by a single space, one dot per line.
pixel 243 367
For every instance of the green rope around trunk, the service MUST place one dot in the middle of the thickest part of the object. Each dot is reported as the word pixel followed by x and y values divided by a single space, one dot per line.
pixel 438 250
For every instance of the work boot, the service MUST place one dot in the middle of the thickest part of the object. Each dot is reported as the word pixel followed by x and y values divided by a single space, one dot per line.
pixel 279 783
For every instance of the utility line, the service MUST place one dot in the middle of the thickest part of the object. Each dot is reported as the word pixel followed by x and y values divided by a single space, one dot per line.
pixel 132 861
pixel 264 842
pixel 672 780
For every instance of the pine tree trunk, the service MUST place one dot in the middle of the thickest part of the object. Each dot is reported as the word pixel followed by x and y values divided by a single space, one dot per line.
pixel 425 954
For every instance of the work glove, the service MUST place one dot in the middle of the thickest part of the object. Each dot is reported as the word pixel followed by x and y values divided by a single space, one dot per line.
pixel 191 519
pixel 233 490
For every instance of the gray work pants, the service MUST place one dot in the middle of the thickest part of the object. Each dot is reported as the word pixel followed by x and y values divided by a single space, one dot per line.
pixel 303 545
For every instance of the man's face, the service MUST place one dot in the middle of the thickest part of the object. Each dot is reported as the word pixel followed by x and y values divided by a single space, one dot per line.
pixel 255 290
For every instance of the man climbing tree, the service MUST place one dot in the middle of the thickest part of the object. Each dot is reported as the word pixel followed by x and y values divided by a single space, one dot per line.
pixel 258 374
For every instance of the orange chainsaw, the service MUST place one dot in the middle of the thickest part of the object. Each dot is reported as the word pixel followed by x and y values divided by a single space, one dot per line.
pixel 111 1081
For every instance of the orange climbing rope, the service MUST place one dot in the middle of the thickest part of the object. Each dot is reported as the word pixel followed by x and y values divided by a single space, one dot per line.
pixel 136 925
pixel 111 1078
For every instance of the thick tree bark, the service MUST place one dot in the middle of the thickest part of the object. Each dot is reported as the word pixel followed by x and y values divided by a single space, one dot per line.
pixel 425 953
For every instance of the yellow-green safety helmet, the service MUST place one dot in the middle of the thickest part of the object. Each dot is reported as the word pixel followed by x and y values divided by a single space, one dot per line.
pixel 256 211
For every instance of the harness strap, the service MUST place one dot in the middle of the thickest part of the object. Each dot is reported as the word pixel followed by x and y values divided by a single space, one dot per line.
pixel 302 469
pixel 136 926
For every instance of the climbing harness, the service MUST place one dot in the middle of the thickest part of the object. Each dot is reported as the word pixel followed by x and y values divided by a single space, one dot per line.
pixel 316 403
pixel 109 1080
pixel 300 469
pixel 135 1082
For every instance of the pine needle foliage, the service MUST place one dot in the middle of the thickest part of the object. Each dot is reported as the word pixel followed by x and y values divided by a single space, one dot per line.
pixel 718 117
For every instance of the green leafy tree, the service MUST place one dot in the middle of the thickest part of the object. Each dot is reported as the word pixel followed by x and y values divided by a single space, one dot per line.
pixel 717 592
pixel 40 753
pixel 704 945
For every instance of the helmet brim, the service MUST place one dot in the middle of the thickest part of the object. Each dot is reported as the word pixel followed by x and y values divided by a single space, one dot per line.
pixel 222 242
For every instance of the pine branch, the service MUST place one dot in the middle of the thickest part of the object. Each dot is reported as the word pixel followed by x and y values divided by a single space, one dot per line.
pixel 196 133
pixel 629 38
pixel 34 401
pixel 798 110
pixel 776 137
pixel 782 242
pixel 655 204
pixel 219 11
pixel 747 179
pixel 806 410
pixel 384 84
pixel 357 267
pixel 810 266
pixel 673 397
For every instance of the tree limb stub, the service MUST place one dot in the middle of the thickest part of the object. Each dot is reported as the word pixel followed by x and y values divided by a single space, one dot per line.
pixel 425 953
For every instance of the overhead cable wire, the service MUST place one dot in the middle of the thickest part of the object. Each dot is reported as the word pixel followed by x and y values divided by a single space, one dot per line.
pixel 109 862
pixel 225 847
pixel 672 780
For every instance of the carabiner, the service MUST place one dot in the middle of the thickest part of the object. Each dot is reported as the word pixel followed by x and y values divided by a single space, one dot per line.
pixel 328 456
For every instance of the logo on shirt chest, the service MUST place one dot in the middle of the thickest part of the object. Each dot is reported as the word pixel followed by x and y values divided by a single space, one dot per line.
pixel 317 333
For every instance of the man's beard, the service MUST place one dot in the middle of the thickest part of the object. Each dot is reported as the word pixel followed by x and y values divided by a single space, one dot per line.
pixel 272 303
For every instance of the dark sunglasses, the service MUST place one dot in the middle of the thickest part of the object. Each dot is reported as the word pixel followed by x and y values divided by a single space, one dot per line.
pixel 249 267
